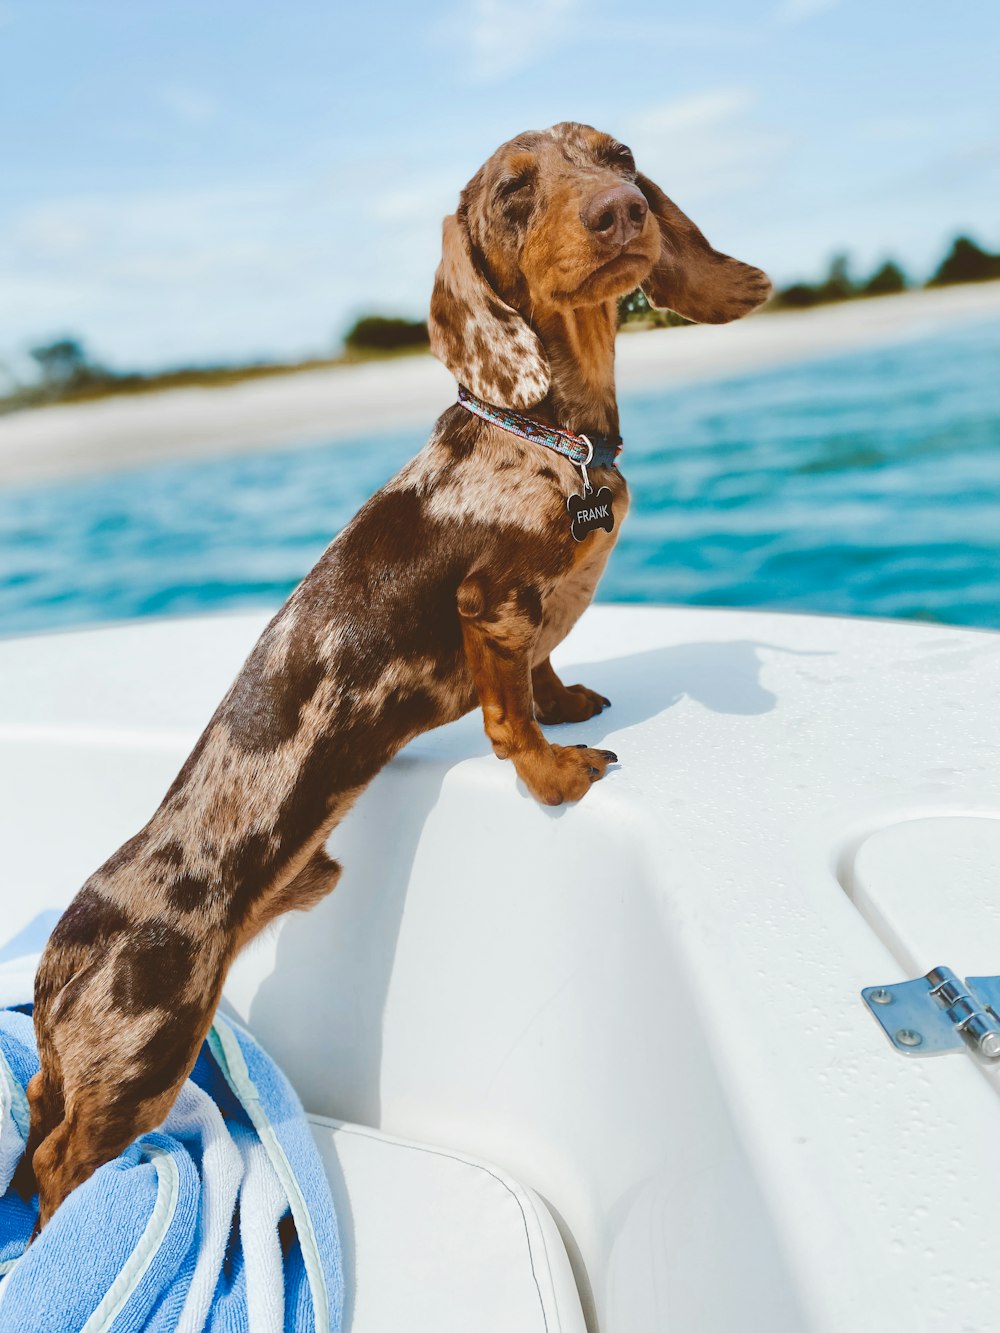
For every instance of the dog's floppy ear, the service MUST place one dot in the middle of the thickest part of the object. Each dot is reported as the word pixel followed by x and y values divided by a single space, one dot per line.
pixel 485 344
pixel 692 278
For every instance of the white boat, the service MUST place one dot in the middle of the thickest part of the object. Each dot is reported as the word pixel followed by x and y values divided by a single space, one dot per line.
pixel 609 1066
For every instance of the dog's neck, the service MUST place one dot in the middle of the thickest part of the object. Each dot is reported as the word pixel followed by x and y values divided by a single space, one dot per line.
pixel 580 346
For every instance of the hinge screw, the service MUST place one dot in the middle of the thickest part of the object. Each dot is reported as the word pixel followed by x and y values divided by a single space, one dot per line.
pixel 990 1045
pixel 907 1037
pixel 881 996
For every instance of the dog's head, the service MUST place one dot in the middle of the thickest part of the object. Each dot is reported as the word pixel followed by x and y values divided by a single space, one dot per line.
pixel 556 220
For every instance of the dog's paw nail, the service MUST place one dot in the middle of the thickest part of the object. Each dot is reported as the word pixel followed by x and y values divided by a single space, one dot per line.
pixel 605 702
pixel 610 756
pixel 581 745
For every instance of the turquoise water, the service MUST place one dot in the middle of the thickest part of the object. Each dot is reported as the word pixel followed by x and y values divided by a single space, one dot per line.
pixel 866 484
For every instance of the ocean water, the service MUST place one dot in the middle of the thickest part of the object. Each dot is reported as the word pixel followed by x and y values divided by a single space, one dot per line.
pixel 866 484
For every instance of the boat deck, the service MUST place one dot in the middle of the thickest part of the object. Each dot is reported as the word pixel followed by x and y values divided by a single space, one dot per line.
pixel 645 1007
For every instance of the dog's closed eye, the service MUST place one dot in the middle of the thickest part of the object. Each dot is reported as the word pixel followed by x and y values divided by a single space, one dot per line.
pixel 516 184
pixel 519 175
pixel 621 156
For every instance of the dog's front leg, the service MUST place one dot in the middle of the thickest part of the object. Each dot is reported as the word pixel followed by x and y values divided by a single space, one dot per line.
pixel 556 702
pixel 499 630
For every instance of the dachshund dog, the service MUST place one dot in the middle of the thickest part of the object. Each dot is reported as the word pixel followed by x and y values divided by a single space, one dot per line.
pixel 448 589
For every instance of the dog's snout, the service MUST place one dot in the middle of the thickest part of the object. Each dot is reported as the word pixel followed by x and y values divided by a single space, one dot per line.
pixel 616 214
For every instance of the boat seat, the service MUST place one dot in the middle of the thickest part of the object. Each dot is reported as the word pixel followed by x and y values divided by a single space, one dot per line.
pixel 436 1242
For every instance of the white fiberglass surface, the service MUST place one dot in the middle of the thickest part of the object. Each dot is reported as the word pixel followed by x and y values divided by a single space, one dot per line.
pixel 502 984
pixel 647 1006
pixel 929 888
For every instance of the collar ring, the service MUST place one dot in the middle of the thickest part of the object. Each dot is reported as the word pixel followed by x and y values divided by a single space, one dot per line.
pixel 583 464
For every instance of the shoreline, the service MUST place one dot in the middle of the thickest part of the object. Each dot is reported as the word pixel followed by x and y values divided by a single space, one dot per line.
pixel 322 406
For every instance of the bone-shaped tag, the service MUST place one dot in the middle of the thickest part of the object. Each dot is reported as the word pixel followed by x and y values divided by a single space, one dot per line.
pixel 590 511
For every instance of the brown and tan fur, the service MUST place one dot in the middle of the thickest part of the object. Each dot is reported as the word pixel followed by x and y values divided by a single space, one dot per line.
pixel 449 589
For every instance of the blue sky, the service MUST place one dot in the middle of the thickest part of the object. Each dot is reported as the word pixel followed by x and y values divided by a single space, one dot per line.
pixel 218 180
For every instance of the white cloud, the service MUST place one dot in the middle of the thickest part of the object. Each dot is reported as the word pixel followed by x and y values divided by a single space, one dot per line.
pixel 695 113
pixel 506 36
pixel 706 146
pixel 797 11
pixel 188 105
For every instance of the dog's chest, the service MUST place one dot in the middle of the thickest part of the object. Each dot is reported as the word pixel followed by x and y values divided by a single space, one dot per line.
pixel 573 591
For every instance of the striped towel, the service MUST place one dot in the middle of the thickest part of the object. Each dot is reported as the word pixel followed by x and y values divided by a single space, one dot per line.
pixel 220 1220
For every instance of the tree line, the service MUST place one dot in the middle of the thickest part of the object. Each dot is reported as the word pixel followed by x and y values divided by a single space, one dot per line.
pixel 965 262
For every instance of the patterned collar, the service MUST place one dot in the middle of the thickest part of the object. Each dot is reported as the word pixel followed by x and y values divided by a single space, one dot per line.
pixel 595 451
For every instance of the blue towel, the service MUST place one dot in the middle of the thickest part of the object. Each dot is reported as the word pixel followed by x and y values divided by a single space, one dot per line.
pixel 221 1220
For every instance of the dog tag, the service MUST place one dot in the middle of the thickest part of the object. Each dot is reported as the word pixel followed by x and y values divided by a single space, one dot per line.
pixel 590 511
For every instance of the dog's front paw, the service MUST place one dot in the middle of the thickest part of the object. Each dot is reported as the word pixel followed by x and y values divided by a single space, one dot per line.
pixel 573 703
pixel 563 772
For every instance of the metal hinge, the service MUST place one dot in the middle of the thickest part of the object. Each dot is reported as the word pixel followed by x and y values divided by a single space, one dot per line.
pixel 939 1013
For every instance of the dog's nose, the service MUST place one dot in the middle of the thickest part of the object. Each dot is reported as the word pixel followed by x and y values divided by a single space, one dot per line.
pixel 616 214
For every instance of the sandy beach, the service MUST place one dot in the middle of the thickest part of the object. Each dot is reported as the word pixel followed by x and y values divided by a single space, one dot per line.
pixel 53 443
